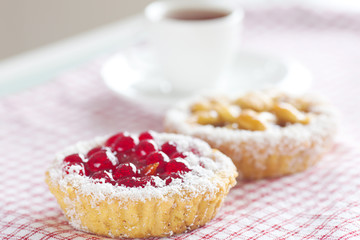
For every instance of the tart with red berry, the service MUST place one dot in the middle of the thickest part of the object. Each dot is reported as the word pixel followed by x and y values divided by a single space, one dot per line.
pixel 265 133
pixel 135 186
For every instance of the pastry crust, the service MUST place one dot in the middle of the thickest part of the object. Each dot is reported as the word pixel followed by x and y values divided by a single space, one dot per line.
pixel 118 211
pixel 272 150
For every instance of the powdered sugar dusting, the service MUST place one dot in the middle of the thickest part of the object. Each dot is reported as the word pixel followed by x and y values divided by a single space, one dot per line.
pixel 111 156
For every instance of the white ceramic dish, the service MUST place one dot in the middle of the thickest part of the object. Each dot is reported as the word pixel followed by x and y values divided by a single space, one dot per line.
pixel 133 74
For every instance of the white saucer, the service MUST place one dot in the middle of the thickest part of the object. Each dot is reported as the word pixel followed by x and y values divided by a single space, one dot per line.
pixel 133 74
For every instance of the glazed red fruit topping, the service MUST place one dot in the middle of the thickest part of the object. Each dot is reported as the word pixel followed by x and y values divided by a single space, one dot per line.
pixel 100 161
pixel 102 176
pixel 124 170
pixel 136 182
pixel 176 165
pixel 73 158
pixel 145 136
pixel 130 161
pixel 125 157
pixel 123 144
pixel 145 147
pixel 178 155
pixel 158 156
pixel 93 151
pixel 110 141
pixel 80 169
pixel 169 148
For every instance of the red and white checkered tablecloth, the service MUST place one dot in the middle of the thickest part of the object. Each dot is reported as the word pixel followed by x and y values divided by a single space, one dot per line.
pixel 321 203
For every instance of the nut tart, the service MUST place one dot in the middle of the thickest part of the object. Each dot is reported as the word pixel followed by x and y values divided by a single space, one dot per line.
pixel 265 133
pixel 137 186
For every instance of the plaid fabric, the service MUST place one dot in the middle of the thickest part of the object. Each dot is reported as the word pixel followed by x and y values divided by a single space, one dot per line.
pixel 321 203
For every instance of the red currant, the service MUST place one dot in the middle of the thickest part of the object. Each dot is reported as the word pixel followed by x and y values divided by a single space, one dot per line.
pixel 73 158
pixel 169 148
pixel 144 148
pixel 136 182
pixel 146 136
pixel 92 151
pixel 110 141
pixel 79 169
pixel 158 157
pixel 100 161
pixel 124 170
pixel 178 155
pixel 177 165
pixel 102 176
pixel 123 144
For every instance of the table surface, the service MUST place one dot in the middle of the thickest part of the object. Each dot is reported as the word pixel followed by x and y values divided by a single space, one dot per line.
pixel 321 203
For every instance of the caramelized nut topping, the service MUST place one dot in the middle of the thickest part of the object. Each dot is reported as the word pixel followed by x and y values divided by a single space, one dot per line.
pixel 254 111
pixel 225 113
pixel 249 120
pixel 207 117
pixel 255 101
pixel 201 106
pixel 287 113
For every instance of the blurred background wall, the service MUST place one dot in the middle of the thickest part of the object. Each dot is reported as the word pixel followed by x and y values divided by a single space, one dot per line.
pixel 28 24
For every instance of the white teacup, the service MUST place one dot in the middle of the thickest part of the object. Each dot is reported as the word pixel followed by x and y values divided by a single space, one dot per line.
pixel 194 41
